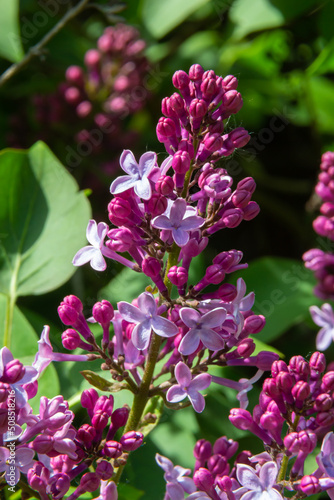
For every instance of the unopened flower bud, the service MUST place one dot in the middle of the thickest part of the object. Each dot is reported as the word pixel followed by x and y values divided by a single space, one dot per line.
pixel 103 312
pixel 131 440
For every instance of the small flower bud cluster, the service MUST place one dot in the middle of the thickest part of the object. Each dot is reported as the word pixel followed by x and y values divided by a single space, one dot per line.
pixel 322 263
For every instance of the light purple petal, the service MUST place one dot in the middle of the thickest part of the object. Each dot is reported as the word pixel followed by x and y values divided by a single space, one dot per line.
pixel 201 382
pixel 187 484
pixel 177 211
pixel 190 317
pixel 97 262
pixel 143 189
pixel 211 339
pixel 96 233
pixel 189 343
pixel 180 236
pixel 164 462
pixel 247 477
pixel 5 357
pixel 247 302
pixel 192 222
pixel 183 374
pixel 268 475
pixel 175 394
pixel 323 316
pixel 164 327
pixel 162 222
pixel 147 304
pixel 23 456
pixel 175 491
pixel 241 288
pixel 128 163
pixel 141 335
pixel 197 400
pixel 84 255
pixel 130 312
pixel 147 162
pixel 122 183
pixel 324 338
pixel 214 318
pixel 30 375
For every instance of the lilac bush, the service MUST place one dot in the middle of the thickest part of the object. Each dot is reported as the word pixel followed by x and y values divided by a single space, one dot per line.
pixel 162 216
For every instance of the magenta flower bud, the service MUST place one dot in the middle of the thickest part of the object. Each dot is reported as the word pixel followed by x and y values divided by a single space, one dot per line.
pixel 31 389
pixel 246 348
pixel 156 205
pixel 178 276
pixel 217 464
pixel 86 433
pixel 227 292
pixel 251 211
pixel 59 484
pixel 70 339
pixel 271 388
pixel 181 162
pixel 327 209
pixel 325 419
pixel 225 447
pixel 265 359
pixel 196 72
pixel 303 441
pixel 13 372
pixel 92 58
pixel 327 383
pixel 254 323
pixel 230 82
pixel 121 239
pixel 72 95
pixel 247 184
pixel 202 450
pixel 131 440
pixel 177 104
pixel 273 423
pixel 67 314
pixel 151 267
pixel 105 43
pixel 300 391
pixel 165 128
pixel 285 381
pixel 213 142
pixel 310 485
pixel 214 274
pixel 241 419
pixel 239 137
pixel 198 108
pixel 43 443
pixel 119 208
pixel 74 74
pixel 103 312
pixel 74 302
pixel 323 402
pixel 180 80
pixel 164 185
pixel 232 101
pixel 208 88
pixel 89 398
pixel 225 483
pixel 105 404
pixel 241 198
pixel 232 217
pixel 301 367
pixel 84 109
pixel 277 367
pixel 4 388
pixel 38 477
pixel 318 362
pixel 112 449
pixel 203 479
pixel 90 481
pixel 104 470
pixel 120 417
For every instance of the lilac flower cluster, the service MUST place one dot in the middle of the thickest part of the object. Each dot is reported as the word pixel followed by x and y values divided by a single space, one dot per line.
pixel 295 411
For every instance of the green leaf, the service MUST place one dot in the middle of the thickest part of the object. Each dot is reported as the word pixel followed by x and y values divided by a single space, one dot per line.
pixel 155 407
pixel 128 492
pixel 101 383
pixel 322 98
pixel 10 40
pixel 260 15
pixel 126 285
pixel 43 219
pixel 283 293
pixel 162 17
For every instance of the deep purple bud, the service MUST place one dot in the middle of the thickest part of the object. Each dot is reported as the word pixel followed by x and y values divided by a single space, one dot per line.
pixel 232 101
pixel 165 128
pixel 247 184
pixel 59 485
pixel 177 104
pixel 318 362
pixel 227 292
pixel 225 447
pixel 277 367
pixel 151 267
pixel 74 302
pixel 203 479
pixel 241 419
pixel 156 205
pixel 225 483
pixel 325 419
pixel 13 372
pixel 120 417
pixel 241 198
pixel 67 314
pixel 214 274
pixel 208 88
pixel 86 434
pixel 230 82
pixel 38 477
pixel 70 339
pixel 103 312
pixel 217 464
pixel 198 108
pixel 4 388
pixel 265 359
pixel 310 485
pixel 90 481
pixel 112 449
pixel 202 450
pixel 181 162
pixel 213 142
pixel 196 72
pixel 178 276
pixel 327 383
pixel 119 208
pixel 246 348
pixel 251 211
pixel 284 381
pixel 164 185
pixel 131 440
pixel 89 398
pixel 303 441
pixel 254 323
pixel 43 443
pixel 105 404
pixel 180 80
pixel 300 367
pixel 301 390
pixel 323 402
pixel 104 470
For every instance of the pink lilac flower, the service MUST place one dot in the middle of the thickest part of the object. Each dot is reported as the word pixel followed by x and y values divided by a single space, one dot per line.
pixel 258 486
pixel 23 462
pixel 323 317
pixel 179 222
pixel 138 173
pixel 189 387
pixel 201 329
pixel 92 253
pixel 146 318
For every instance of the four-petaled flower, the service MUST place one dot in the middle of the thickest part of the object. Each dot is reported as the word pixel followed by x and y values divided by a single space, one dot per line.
pixel 258 486
pixel 179 221
pixel 201 329
pixel 175 477
pixel 137 177
pixel 323 317
pixel 92 253
pixel 23 462
pixel 146 319
pixel 188 387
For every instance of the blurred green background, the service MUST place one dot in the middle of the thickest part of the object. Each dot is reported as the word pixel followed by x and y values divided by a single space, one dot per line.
pixel 282 53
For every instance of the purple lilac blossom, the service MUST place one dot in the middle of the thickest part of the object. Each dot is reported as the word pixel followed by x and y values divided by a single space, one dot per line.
pixel 323 317
pixel 146 319
pixel 187 386
pixel 176 475
pixel 258 485
pixel 137 174
pixel 23 462
pixel 96 234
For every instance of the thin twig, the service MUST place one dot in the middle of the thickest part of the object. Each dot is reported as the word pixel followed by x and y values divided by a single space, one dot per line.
pixel 36 49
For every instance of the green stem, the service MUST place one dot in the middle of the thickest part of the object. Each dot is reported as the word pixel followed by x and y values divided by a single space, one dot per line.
pixel 285 460
pixel 36 49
